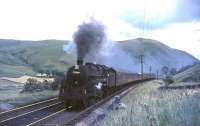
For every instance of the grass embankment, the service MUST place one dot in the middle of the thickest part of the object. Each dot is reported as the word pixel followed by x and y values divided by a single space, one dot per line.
pixel 14 97
pixel 191 74
pixel 149 106
pixel 10 94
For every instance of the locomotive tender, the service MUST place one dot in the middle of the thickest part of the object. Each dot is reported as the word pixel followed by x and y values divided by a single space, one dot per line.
pixel 88 83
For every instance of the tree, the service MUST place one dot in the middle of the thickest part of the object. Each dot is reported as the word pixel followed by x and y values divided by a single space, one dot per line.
pixel 31 81
pixel 48 73
pixel 41 71
pixel 173 71
pixel 165 70
pixel 56 73
pixel 31 85
pixel 57 83
pixel 168 80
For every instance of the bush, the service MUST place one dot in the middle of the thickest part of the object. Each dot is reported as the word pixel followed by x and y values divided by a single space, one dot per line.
pixel 56 84
pixel 168 80
pixel 33 85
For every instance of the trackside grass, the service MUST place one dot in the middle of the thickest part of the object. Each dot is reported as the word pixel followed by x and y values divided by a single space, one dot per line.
pixel 10 94
pixel 149 106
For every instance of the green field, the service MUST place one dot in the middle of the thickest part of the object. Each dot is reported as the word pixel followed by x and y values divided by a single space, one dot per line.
pixel 27 57
pixel 148 106
pixel 10 94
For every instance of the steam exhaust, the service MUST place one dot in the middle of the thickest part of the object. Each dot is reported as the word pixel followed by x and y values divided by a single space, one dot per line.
pixel 88 39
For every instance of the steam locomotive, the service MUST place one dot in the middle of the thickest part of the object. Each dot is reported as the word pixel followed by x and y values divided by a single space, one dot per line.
pixel 86 84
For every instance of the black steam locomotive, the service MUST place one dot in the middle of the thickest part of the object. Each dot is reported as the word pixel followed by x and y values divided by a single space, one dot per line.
pixel 86 84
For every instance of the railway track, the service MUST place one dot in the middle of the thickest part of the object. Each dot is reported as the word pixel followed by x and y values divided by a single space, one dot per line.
pixel 80 116
pixel 42 113
pixel 30 113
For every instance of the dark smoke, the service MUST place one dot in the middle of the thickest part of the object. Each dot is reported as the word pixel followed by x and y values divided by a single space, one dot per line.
pixel 89 38
pixel 92 46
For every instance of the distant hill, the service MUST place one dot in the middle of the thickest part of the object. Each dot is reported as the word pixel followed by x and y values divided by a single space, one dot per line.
pixel 28 57
pixel 191 74
pixel 156 54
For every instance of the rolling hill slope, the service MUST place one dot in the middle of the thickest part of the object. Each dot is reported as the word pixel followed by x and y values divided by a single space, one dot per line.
pixel 156 54
pixel 191 74
pixel 27 57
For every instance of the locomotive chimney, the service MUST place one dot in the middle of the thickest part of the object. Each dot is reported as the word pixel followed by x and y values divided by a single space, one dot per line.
pixel 79 62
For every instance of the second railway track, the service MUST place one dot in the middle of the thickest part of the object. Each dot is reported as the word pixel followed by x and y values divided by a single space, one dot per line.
pixel 42 113
pixel 29 113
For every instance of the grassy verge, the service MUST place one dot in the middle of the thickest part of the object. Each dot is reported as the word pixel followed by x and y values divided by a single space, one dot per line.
pixel 148 106
pixel 184 83
pixel 10 94
pixel 15 98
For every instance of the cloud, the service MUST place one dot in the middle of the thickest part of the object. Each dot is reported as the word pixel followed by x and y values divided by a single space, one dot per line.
pixel 188 10
pixel 158 15
pixel 124 19
pixel 184 36
pixel 181 35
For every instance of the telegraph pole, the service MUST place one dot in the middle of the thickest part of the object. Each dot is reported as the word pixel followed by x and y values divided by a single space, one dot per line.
pixel 157 74
pixel 141 61
pixel 150 69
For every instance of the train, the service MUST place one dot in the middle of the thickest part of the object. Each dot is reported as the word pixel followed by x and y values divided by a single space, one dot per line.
pixel 85 84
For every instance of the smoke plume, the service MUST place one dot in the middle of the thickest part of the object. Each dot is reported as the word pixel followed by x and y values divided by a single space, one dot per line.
pixel 91 44
pixel 89 38
pixel 113 55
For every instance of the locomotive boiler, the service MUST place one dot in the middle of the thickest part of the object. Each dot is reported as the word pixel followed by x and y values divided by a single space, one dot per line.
pixel 87 83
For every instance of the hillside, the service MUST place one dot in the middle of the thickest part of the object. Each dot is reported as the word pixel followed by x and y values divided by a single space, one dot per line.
pixel 26 57
pixel 156 54
pixel 19 58
pixel 191 74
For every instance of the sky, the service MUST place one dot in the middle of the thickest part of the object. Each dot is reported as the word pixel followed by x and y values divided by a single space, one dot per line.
pixel 176 23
